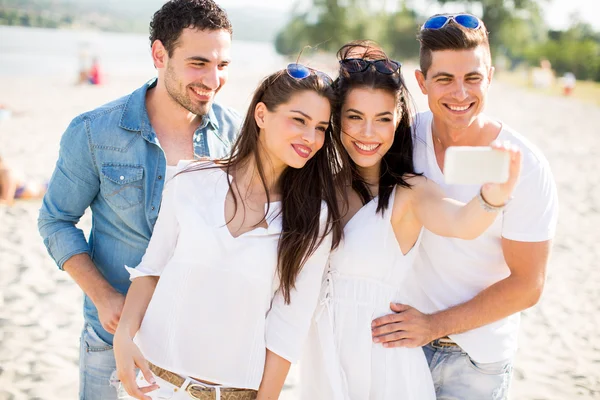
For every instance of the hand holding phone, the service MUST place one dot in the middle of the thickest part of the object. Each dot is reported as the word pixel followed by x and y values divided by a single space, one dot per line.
pixel 496 167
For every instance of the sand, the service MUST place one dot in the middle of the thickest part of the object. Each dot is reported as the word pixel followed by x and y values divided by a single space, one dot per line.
pixel 40 307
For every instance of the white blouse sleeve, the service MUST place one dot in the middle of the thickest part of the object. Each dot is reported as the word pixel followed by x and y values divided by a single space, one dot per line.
pixel 287 324
pixel 164 237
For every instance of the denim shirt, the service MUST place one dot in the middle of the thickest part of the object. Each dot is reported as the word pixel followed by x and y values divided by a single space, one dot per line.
pixel 111 161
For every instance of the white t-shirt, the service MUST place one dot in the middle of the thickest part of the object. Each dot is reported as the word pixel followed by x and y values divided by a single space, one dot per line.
pixel 171 171
pixel 217 306
pixel 452 271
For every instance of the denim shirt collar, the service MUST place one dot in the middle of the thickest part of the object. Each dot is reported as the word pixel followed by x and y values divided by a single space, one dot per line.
pixel 135 115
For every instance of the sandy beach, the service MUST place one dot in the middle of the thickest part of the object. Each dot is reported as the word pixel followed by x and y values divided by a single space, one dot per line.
pixel 40 307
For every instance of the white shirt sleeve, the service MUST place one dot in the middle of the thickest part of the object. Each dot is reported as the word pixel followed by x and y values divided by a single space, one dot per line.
pixel 287 324
pixel 532 214
pixel 164 237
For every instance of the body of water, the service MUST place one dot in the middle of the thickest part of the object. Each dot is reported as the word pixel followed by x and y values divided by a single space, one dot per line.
pixel 59 53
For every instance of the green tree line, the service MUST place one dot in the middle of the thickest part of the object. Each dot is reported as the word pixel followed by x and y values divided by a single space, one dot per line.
pixel 517 32
pixel 28 18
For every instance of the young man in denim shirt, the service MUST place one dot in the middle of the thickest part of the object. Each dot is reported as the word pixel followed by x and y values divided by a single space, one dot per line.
pixel 114 160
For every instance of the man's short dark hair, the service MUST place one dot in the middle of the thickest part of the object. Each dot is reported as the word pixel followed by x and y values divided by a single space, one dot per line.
pixel 177 15
pixel 450 37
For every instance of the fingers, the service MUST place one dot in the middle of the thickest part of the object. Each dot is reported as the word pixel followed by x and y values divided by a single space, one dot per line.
pixel 147 389
pixel 143 366
pixel 515 164
pixel 514 152
pixel 385 333
pixel 129 384
pixel 128 357
pixel 409 343
pixel 110 327
pixel 111 313
pixel 392 337
pixel 397 308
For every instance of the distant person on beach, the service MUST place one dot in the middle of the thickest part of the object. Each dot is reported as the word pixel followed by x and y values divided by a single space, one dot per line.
pixel 95 73
pixel 568 82
pixel 116 160
pixel 469 294
pixel 14 186
pixel 222 300
pixel 543 76
pixel 5 112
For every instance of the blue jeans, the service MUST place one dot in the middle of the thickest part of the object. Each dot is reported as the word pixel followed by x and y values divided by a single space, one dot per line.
pixel 457 376
pixel 96 364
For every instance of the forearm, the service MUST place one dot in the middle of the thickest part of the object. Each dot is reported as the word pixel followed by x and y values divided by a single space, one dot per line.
pixel 276 370
pixel 472 220
pixel 138 297
pixel 498 301
pixel 83 271
pixel 448 217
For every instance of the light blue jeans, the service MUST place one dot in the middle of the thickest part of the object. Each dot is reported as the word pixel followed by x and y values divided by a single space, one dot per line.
pixel 458 377
pixel 96 364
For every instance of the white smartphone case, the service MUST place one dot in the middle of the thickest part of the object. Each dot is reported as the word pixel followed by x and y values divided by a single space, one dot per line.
pixel 471 165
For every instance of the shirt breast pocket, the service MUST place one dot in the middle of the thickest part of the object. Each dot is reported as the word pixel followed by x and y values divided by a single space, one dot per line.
pixel 122 185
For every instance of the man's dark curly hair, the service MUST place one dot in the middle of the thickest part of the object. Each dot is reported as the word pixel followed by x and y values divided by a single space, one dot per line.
pixel 176 15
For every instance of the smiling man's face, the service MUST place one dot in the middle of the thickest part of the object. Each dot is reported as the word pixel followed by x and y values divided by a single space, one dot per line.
pixel 456 85
pixel 197 69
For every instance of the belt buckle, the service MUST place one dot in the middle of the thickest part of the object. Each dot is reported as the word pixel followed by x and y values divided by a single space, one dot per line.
pixel 199 387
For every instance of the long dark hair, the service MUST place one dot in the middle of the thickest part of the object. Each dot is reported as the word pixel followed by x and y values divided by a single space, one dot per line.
pixel 398 161
pixel 303 189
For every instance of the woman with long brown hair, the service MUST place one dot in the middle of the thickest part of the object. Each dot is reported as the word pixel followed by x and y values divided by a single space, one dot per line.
pixel 222 300
pixel 389 205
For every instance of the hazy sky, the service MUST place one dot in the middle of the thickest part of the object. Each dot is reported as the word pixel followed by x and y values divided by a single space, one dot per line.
pixel 557 12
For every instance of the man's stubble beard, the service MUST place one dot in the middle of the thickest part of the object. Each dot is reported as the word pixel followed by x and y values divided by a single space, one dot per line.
pixel 180 96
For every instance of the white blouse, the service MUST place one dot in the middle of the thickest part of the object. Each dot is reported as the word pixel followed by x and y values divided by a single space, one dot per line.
pixel 217 306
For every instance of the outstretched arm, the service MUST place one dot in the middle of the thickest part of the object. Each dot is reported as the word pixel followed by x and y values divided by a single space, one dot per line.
pixel 528 225
pixel 448 217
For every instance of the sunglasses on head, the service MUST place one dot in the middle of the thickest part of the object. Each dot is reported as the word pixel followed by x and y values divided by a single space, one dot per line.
pixel 299 72
pixel 465 20
pixel 354 65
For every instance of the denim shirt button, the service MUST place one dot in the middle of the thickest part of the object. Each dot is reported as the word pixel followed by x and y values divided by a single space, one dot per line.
pixel 121 177
pixel 159 177
pixel 153 208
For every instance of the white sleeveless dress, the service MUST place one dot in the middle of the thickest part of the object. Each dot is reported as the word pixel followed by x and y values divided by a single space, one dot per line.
pixel 366 273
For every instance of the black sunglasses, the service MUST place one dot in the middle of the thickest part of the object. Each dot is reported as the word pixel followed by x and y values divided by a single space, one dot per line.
pixel 384 66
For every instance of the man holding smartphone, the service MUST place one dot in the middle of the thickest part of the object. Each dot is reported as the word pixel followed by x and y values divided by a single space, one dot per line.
pixel 468 294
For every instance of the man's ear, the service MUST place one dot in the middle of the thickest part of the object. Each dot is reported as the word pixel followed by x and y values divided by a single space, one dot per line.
pixel 159 54
pixel 420 76
pixel 260 113
pixel 491 75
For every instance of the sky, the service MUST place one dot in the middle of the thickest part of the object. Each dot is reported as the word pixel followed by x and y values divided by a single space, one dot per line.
pixel 556 12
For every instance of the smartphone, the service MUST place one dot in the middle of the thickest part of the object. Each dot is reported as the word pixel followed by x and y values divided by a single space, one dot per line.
pixel 474 165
